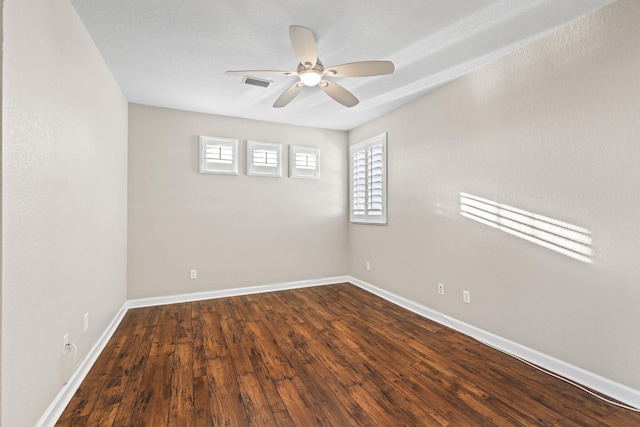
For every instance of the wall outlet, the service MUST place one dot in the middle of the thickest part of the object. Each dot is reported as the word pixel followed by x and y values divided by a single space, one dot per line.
pixel 368 266
pixel 194 274
pixel 466 297
pixel 65 343
pixel 440 289
pixel 86 322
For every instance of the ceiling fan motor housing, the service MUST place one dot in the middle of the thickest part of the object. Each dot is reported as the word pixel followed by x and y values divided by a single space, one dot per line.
pixel 318 67
pixel 311 76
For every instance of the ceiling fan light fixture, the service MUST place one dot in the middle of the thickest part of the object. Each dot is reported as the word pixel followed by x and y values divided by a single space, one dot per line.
pixel 310 77
pixel 311 71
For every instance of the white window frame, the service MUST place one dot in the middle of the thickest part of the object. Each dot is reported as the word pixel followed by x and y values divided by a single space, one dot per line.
pixel 264 169
pixel 222 164
pixel 311 170
pixel 366 156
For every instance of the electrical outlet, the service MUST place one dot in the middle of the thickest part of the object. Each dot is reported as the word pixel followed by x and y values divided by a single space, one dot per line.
pixel 194 274
pixel 466 297
pixel 368 266
pixel 86 322
pixel 65 343
pixel 440 289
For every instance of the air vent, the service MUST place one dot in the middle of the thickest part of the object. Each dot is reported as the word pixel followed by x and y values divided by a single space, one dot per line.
pixel 256 82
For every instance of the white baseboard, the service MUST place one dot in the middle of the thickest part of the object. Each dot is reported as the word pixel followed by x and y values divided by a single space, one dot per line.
pixel 200 296
pixel 55 409
pixel 581 376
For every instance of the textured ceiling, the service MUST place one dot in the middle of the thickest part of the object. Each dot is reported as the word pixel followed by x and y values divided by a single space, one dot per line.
pixel 173 53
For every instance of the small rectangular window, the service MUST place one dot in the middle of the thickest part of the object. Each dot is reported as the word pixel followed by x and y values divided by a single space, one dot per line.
pixel 218 155
pixel 304 162
pixel 368 181
pixel 264 159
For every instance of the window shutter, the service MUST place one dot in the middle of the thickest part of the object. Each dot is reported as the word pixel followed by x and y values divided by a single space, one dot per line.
pixel 368 187
pixel 304 162
pixel 267 158
pixel 374 180
pixel 218 155
pixel 264 159
pixel 359 182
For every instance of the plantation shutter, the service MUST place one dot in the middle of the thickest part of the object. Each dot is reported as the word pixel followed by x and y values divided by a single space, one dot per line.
pixel 368 181
pixel 267 158
pixel 304 162
pixel 359 180
pixel 374 180
pixel 218 155
pixel 264 159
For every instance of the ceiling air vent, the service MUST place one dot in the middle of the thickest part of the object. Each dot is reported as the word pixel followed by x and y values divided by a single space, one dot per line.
pixel 256 82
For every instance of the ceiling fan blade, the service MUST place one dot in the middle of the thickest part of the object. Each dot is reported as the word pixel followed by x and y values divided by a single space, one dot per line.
pixel 304 45
pixel 260 73
pixel 288 95
pixel 338 93
pixel 361 69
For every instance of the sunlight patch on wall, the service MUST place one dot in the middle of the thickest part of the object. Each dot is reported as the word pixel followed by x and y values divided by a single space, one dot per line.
pixel 558 236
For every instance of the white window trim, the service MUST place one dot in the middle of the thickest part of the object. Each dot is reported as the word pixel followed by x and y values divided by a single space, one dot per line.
pixel 304 172
pixel 264 170
pixel 225 168
pixel 368 217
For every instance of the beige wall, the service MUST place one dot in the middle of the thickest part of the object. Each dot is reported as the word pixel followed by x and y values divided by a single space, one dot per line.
pixel 553 129
pixel 1 115
pixel 234 230
pixel 64 190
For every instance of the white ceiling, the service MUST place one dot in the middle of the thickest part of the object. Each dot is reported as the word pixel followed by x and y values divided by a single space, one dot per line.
pixel 173 53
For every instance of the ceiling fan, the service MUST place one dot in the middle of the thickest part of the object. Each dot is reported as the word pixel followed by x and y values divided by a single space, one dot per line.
pixel 312 72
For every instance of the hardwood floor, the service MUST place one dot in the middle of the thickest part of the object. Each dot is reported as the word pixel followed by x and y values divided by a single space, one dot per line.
pixel 330 355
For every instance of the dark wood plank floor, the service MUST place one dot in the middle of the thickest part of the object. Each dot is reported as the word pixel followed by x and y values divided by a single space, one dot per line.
pixel 330 355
